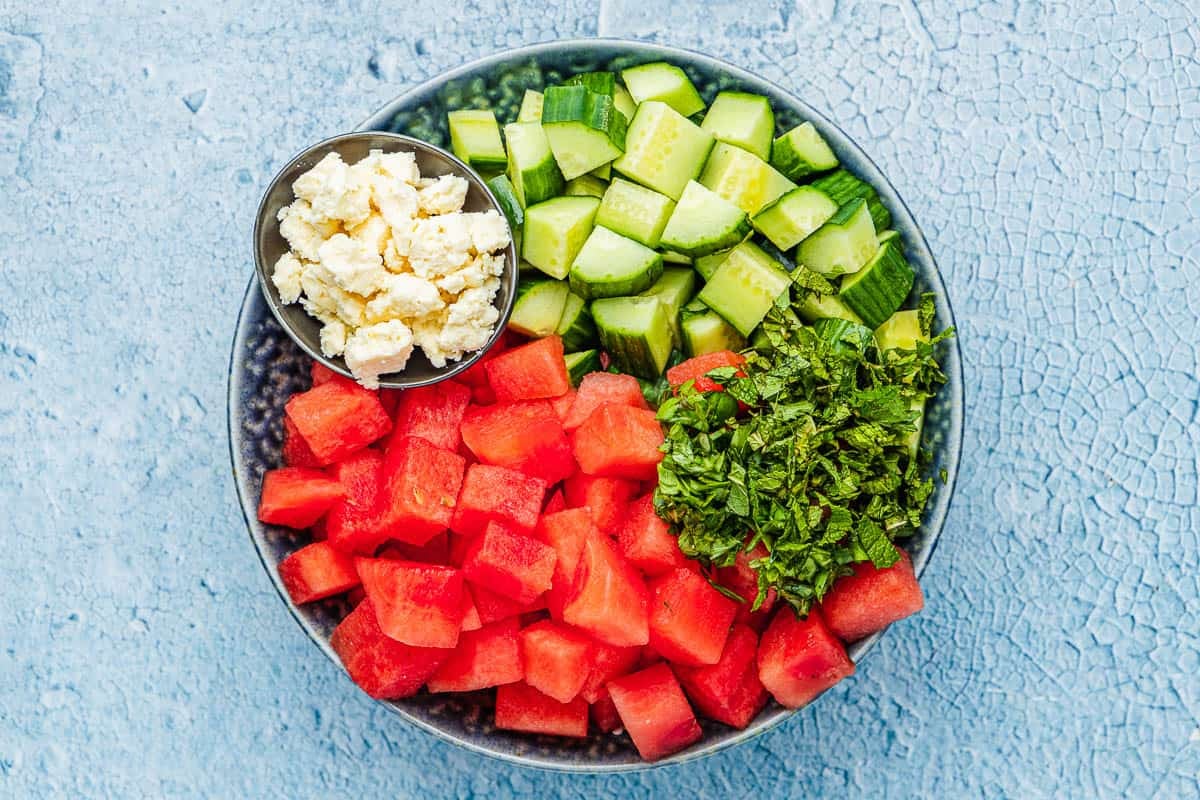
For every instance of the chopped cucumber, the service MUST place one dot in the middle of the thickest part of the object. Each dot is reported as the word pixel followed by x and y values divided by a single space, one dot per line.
pixel 598 82
pixel 825 306
pixel 603 172
pixel 531 107
pixel 674 289
pixel 665 83
pixel 506 197
pixel 610 265
pixel 584 128
pixel 704 222
pixel 745 286
pixel 663 150
pixel 671 257
pixel 555 231
pixel 913 440
pixel 887 236
pixel 901 331
pixel 475 138
pixel 585 186
pixel 531 166
pixel 538 307
pixel 743 178
pixel 635 211
pixel 785 262
pixel 575 326
pixel 843 244
pixel 877 290
pixel 707 265
pixel 623 100
pixel 580 364
pixel 801 151
pixel 635 333
pixel 744 120
pixel 794 216
pixel 705 331
pixel 844 188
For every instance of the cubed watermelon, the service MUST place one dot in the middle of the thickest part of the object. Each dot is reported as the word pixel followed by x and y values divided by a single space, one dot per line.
pixel 471 620
pixel 435 551
pixel 728 691
pixel 523 436
pixel 556 503
pixel 529 372
pixel 296 452
pixel 604 713
pixel 490 656
pixel 598 388
pixel 521 707
pixel 317 571
pixel 419 488
pixel 338 418
pixel 514 565
pixel 648 656
pixel 646 540
pixel 418 604
pixel 696 369
pixel 565 531
pixel 322 374
pixel 800 658
pixel 433 413
pixel 475 375
pixel 498 494
pixel 619 442
pixel 871 599
pixel 562 404
pixel 742 579
pixel 353 524
pixel 297 496
pixel 606 498
pixel 390 398
pixel 608 662
pixel 382 667
pixel 654 711
pixel 689 619
pixel 608 599
pixel 556 659
pixel 492 607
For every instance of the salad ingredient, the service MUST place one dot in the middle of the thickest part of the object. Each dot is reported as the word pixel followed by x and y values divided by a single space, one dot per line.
pixel 689 619
pixel 801 152
pixel 509 564
pixel 799 658
pixel 743 120
pixel 844 187
pixel 674 288
pixel 664 83
pixel 565 531
pixel 580 364
pixel 741 578
pixel 418 486
pixel 606 499
pixel 496 494
pixel 530 372
pixel 843 244
pixel 337 418
pixel 824 306
pixel 634 211
pixel 556 659
pixel 576 327
pixel 663 149
pixel 317 571
pixel 610 265
pixel 703 330
pixel 870 599
pixel 618 441
pixel 520 707
pixel 524 436
pixel 417 604
pixel 695 370
pixel 297 496
pixel 598 388
pixel 794 216
pixel 743 178
pixel 531 106
pixel 608 598
pixel 381 666
pixel 745 286
pixel 555 230
pixel 475 138
pixel 729 691
pixel 433 413
pixel 646 541
pixel 878 290
pixel 704 222
pixel 585 186
pixel 902 331
pixel 532 169
pixel 352 525
pixel 583 126
pixel 654 711
pixel 636 334
pixel 490 656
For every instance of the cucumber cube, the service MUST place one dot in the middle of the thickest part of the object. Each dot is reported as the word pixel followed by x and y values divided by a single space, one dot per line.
pixel 555 231
pixel 743 178
pixel 743 120
pixel 704 222
pixel 901 331
pixel 794 216
pixel 665 83
pixel 843 244
pixel 538 307
pixel 532 169
pixel 663 150
pixel 745 286
pixel 635 333
pixel 801 151
pixel 611 265
pixel 877 290
pixel 674 289
pixel 475 138
pixel 584 128
pixel 634 211
pixel 531 107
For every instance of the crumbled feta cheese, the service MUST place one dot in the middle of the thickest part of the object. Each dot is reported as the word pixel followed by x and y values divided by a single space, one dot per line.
pixel 489 231
pixel 379 349
pixel 444 196
pixel 374 233
pixel 323 299
pixel 334 192
pixel 330 170
pixel 397 202
pixel 333 338
pixel 286 278
pixel 473 275
pixel 438 245
pixel 392 260
pixel 353 266
pixel 297 227
pixel 401 166
pixel 403 297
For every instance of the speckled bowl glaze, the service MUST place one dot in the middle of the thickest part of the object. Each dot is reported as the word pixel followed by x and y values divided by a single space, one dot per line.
pixel 266 367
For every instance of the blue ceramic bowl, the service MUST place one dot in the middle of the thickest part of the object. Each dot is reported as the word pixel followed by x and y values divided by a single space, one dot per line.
pixel 266 367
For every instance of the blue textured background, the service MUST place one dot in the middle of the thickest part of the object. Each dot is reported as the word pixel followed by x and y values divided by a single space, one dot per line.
pixel 1052 153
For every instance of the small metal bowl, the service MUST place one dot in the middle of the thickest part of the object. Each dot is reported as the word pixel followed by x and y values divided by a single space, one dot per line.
pixel 269 245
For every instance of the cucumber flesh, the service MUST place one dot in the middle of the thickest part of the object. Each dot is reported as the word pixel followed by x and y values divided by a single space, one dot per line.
pixel 555 231
pixel 538 307
pixel 843 244
pixel 584 128
pixel 575 326
pixel 475 138
pixel 901 331
pixel 877 290
pixel 743 178
pixel 705 331
pixel 506 197
pixel 531 107
pixel 603 172
pixel 585 186
pixel 743 120
pixel 598 82
pixel 704 222
pixel 887 236
pixel 844 188
pixel 674 289
pixel 825 306
pixel 581 363
pixel 611 265
pixel 663 150
pixel 802 151
pixel 672 257
pixel 623 100
pixel 745 286
pixel 532 169
pixel 794 216
pixel 707 265
pixel 635 211
pixel 665 83
pixel 913 440
pixel 635 333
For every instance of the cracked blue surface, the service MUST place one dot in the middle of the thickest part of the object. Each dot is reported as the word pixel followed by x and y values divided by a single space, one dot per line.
pixel 1052 154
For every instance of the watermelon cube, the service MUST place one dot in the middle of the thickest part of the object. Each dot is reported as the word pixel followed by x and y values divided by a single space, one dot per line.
pixel 317 571
pixel 604 714
pixel 523 436
pixel 742 579
pixel 497 494
pixel 562 404
pixel 556 503
pixel 619 442
pixel 471 620
pixel 646 540
pixel 696 369
pixel 871 599
pixel 297 496
pixel 565 531
pixel 353 523
pixel 490 656
pixel 322 374
pixel 608 599
pixel 529 372
pixel 607 662
pixel 800 658
pixel 556 659
pixel 492 607
pixel 654 711
pixel 521 707
pixel 382 667
pixel 598 388
pixel 606 498
pixel 435 551
pixel 418 604
pixel 728 691
pixel 510 564
pixel 419 488
pixel 390 399
pixel 433 413
pixel 296 452
pixel 475 375
pixel 337 418
pixel 689 619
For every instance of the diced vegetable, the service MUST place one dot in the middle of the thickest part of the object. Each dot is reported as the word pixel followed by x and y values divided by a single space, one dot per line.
pixel 529 372
pixel 743 178
pixel 354 524
pixel 654 711
pixel 801 152
pixel 618 441
pixel 900 331
pixel 844 188
pixel 610 265
pixel 745 286
pixel 794 216
pixel 584 128
pixel 665 83
pixel 417 604
pixel 317 571
pixel 877 290
pixel 585 186
pixel 531 107
pixel 581 363
pixel 599 82
pixel 604 714
pixel 555 231
pixel 520 707
pixel 843 244
pixel 608 662
pixel 538 307
pixel 689 619
pixel 636 333
pixel 515 566
pixel 705 331
pixel 707 265
pixel 490 656
pixel 673 290
pixel 825 306
pixel 296 452
pixel 634 211
pixel 575 326
pixel 799 658
pixel 475 138
pixel 624 101
pixel 381 666
pixel 297 496
pixel 565 531
pixel 337 418
pixel 742 580
pixel 743 120
pixel 663 150
pixel 497 494
pixel 704 222
pixel 871 599
pixel 532 169
pixel 506 195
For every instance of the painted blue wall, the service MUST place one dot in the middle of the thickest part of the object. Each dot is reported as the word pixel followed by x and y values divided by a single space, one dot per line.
pixel 1052 152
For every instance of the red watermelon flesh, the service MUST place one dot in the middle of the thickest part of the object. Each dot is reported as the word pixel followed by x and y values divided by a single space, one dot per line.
pixel 556 659
pixel 619 442
pixel 433 413
pixel 604 714
pixel 608 599
pixel 530 372
pixel 563 403
pixel 490 656
pixel 523 436
pixel 695 369
pixel 382 667
pixel 297 496
pixel 521 707
pixel 608 662
pixel 654 711
pixel 689 619
pixel 646 540
pixel 470 615
pixel 419 487
pixel 743 580
pixel 493 607
pixel 498 494
pixel 871 599
pixel 435 551
pixel 353 524
pixel 337 418
pixel 800 658
pixel 418 604
pixel 322 374
pixel 514 565
pixel 606 498
pixel 598 388
pixel 728 691
pixel 317 571
pixel 565 531
pixel 556 503
pixel 296 452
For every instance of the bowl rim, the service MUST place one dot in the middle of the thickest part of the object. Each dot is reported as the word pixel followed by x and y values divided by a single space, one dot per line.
pixel 953 388
pixel 262 271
